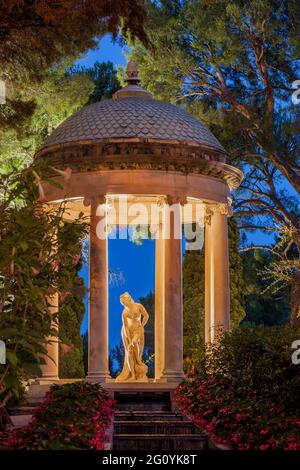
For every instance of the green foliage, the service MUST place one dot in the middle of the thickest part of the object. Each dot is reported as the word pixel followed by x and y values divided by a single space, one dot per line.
pixel 261 305
pixel 259 359
pixel 34 111
pixel 71 364
pixel 104 77
pixel 246 395
pixel 71 315
pixel 237 273
pixel 72 417
pixel 38 35
pixel 51 101
pixel 35 262
pixel 85 349
pixel 193 308
pixel 148 303
pixel 193 298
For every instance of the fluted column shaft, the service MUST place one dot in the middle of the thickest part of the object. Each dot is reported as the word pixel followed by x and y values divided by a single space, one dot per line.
pixel 173 347
pixel 159 321
pixel 217 293
pixel 50 367
pixel 98 302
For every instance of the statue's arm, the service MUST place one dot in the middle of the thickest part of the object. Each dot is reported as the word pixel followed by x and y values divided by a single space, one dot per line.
pixel 145 315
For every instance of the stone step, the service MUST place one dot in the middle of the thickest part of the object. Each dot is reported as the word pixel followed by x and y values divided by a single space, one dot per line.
pixel 21 410
pixel 148 416
pixel 19 421
pixel 39 388
pixel 148 406
pixel 36 394
pixel 143 401
pixel 35 402
pixel 143 396
pixel 155 427
pixel 159 442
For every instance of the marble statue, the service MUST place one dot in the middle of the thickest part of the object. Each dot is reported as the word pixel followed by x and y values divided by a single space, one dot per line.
pixel 134 318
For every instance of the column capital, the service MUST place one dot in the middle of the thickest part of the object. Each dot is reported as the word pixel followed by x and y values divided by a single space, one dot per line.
pixel 170 199
pixel 98 199
pixel 223 208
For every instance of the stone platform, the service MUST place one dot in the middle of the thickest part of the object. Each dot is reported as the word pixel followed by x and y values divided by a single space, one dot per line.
pixel 149 386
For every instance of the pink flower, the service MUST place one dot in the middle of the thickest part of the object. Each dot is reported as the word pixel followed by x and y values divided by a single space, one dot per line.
pixel 235 438
pixel 264 432
pixel 68 174
pixel 244 446
pixel 210 427
pixel 293 446
pixel 224 411
pixel 264 447
pixel 42 196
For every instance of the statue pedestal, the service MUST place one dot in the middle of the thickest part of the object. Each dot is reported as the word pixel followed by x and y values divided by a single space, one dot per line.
pixel 150 386
pixel 139 381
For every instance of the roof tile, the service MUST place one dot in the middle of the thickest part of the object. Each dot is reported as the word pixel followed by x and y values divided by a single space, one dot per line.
pixel 133 117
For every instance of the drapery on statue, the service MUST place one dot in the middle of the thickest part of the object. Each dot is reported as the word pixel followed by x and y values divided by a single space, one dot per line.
pixel 134 318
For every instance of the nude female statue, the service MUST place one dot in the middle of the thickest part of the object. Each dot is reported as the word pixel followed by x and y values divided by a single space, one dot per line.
pixel 134 318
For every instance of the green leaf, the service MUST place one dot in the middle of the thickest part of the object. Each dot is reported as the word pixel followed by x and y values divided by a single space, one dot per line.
pixel 11 357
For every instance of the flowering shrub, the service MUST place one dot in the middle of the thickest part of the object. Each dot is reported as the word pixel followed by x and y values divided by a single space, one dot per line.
pixel 241 423
pixel 247 395
pixel 72 416
pixel 39 252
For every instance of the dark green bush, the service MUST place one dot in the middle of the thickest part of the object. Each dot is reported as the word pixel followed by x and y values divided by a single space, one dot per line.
pixel 259 359
pixel 71 364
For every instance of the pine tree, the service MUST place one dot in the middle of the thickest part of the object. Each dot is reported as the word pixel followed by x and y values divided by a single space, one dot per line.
pixel 262 306
pixel 35 35
pixel 233 64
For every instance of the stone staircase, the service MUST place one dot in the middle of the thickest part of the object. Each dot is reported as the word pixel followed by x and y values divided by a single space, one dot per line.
pixel 145 421
pixel 21 414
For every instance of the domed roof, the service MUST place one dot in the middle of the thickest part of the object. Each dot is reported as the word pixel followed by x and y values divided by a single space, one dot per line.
pixel 133 117
pixel 132 114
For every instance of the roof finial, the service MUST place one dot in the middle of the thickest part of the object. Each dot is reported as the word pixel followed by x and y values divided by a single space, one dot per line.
pixel 132 88
pixel 132 73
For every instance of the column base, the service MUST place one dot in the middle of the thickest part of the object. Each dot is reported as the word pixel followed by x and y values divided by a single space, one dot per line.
pixel 171 377
pixel 48 380
pixel 98 377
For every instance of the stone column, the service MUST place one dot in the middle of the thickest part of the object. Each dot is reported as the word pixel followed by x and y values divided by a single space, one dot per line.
pixel 173 370
pixel 208 300
pixel 217 293
pixel 159 320
pixel 50 367
pixel 98 301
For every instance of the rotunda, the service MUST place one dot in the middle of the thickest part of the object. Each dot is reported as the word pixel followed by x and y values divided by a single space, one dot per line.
pixel 150 153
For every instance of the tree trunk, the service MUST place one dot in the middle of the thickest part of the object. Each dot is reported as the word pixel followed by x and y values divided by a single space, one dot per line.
pixel 295 300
